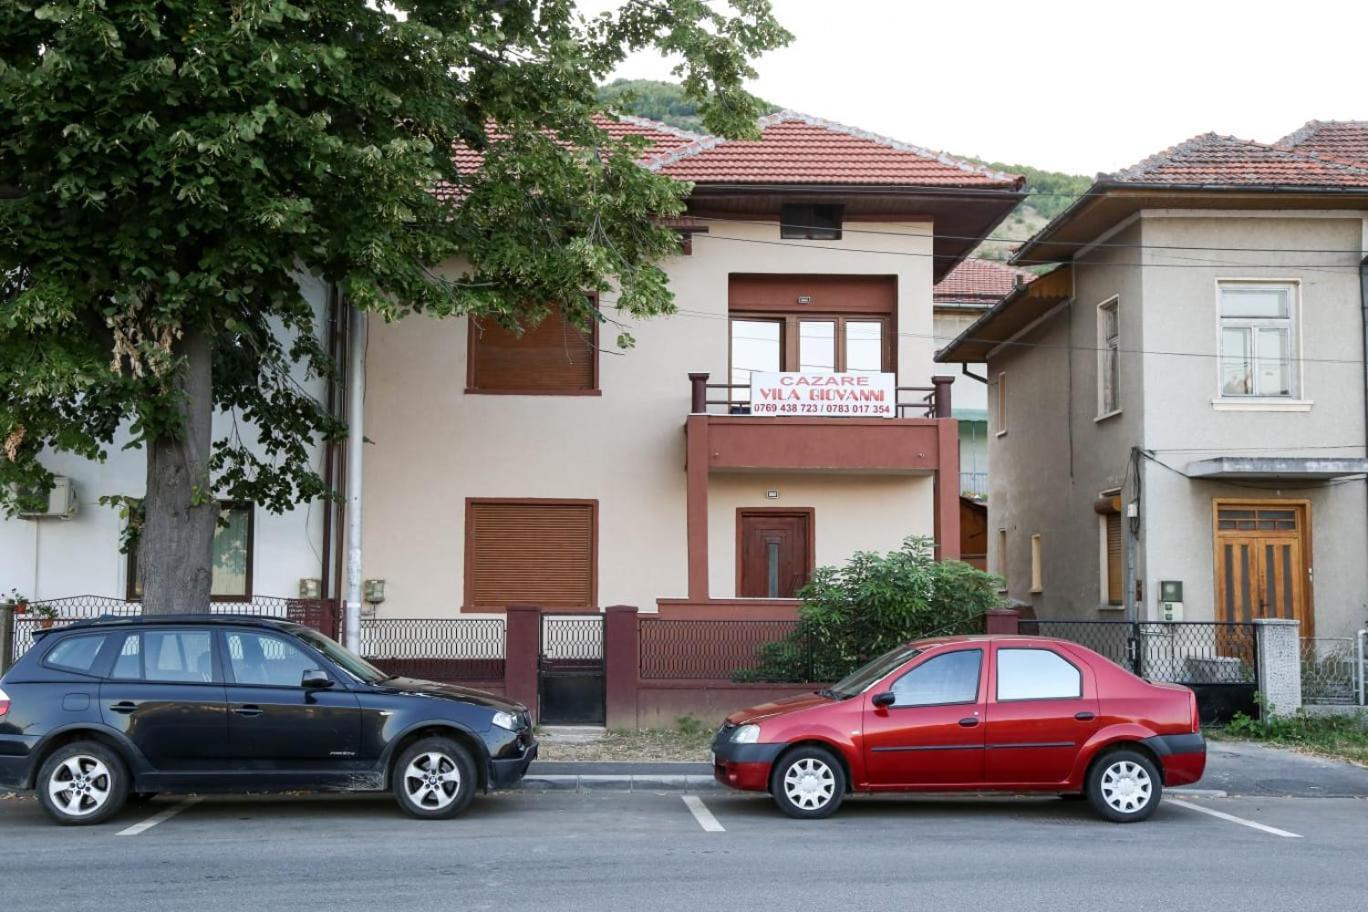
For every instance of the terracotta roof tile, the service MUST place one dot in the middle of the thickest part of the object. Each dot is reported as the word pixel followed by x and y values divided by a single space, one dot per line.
pixel 1341 140
pixel 980 282
pixel 797 149
pixel 1212 160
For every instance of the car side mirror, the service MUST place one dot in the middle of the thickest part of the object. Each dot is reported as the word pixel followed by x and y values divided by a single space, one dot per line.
pixel 887 698
pixel 316 679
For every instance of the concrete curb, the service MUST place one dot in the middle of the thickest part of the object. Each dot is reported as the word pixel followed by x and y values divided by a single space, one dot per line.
pixel 647 782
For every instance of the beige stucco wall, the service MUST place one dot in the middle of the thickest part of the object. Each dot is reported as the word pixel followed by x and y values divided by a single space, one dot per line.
pixel 432 445
pixel 851 513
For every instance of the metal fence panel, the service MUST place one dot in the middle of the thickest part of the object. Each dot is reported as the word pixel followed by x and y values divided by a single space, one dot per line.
pixel 720 649
pixel 439 649
pixel 1330 670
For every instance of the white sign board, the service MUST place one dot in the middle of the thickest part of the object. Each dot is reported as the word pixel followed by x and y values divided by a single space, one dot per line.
pixel 815 394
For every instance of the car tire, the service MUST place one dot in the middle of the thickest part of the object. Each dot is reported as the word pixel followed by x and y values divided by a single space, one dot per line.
pixel 808 783
pixel 82 783
pixel 434 779
pixel 1124 786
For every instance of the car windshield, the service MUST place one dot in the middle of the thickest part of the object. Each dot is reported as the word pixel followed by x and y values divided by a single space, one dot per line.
pixel 343 657
pixel 864 677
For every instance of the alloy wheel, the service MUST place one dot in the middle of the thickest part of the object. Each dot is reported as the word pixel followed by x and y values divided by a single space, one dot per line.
pixel 80 785
pixel 432 781
pixel 1126 786
pixel 809 784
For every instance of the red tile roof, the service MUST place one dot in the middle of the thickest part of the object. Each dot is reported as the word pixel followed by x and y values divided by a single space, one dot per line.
pixel 979 282
pixel 797 149
pixel 1341 140
pixel 1212 160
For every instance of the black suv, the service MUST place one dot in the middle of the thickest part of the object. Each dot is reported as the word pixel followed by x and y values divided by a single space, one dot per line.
pixel 104 710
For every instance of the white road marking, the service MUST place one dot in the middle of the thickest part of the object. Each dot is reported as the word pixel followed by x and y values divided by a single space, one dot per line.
pixel 157 818
pixel 1233 819
pixel 704 816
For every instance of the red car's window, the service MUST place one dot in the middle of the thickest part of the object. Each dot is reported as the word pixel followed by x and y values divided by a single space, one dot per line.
pixel 951 677
pixel 1036 674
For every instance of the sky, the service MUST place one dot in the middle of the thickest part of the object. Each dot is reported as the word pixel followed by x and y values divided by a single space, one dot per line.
pixel 1081 87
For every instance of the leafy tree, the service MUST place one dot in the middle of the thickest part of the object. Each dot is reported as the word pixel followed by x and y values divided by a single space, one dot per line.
pixel 872 604
pixel 169 167
pixel 658 100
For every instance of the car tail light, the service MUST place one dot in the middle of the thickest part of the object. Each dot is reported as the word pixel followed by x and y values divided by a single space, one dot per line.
pixel 4 703
pixel 1196 716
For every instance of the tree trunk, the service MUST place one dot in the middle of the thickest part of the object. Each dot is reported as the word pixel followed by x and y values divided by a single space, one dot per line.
pixel 176 545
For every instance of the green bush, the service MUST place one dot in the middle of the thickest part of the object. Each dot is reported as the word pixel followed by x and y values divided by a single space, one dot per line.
pixel 874 603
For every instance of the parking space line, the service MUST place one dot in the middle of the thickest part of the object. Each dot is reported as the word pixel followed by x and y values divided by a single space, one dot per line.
pixel 704 816
pixel 1233 819
pixel 160 817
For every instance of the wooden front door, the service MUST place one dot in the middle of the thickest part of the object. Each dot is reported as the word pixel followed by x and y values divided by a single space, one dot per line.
pixel 1263 561
pixel 774 552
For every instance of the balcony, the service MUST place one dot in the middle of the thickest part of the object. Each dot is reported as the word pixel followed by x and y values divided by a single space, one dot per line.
pixel 738 440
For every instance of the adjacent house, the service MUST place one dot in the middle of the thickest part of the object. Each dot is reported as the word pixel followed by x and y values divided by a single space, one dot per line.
pixel 970 289
pixel 1176 412
pixel 786 416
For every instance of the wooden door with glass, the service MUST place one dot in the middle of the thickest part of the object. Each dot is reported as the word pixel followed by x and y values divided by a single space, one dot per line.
pixel 1263 561
pixel 774 552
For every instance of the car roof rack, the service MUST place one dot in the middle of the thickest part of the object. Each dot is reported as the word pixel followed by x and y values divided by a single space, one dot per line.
pixel 122 620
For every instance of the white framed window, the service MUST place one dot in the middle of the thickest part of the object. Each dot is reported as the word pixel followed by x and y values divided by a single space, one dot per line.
pixel 1258 340
pixel 1108 358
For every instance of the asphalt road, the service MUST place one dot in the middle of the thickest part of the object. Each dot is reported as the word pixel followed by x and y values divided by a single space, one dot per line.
pixel 612 850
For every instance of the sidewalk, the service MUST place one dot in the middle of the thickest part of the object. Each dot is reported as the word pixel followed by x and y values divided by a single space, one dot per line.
pixel 1233 767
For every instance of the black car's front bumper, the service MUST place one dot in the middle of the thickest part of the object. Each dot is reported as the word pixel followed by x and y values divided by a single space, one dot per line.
pixel 509 771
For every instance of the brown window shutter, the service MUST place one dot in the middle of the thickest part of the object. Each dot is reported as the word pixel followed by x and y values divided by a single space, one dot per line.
pixel 1115 573
pixel 551 356
pixel 530 552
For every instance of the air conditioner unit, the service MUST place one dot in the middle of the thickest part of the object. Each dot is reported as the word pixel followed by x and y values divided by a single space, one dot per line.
pixel 61 500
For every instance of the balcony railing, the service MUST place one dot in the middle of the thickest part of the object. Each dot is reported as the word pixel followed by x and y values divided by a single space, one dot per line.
pixel 734 398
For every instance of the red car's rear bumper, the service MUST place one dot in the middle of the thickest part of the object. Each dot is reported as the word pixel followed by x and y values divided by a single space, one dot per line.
pixel 1183 757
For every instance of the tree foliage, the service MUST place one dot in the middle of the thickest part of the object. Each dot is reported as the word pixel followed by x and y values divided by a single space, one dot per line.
pixel 168 168
pixel 872 604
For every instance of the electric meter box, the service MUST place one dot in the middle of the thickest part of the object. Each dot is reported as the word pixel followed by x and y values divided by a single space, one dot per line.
pixel 1170 600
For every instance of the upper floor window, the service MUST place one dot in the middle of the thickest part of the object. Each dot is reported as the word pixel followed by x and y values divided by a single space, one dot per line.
pixel 232 560
pixel 1258 339
pixel 1108 358
pixel 555 356
pixel 841 344
pixel 810 222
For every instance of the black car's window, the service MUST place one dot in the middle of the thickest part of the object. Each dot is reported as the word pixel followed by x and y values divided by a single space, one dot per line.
pixel 128 664
pixel 344 658
pixel 267 661
pixel 951 677
pixel 177 656
pixel 76 653
pixel 1036 674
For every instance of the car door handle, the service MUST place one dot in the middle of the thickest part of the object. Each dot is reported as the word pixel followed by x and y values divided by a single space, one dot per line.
pixel 1084 716
pixel 123 706
pixel 248 710
pixel 969 721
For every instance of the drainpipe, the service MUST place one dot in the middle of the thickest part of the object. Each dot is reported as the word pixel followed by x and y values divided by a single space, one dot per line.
pixel 1363 299
pixel 356 371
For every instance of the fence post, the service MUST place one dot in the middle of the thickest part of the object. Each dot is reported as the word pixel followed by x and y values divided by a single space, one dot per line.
pixel 522 649
pixel 1001 621
pixel 1278 649
pixel 621 664
pixel 6 637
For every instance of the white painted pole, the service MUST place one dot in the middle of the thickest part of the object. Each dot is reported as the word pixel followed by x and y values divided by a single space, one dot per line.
pixel 356 392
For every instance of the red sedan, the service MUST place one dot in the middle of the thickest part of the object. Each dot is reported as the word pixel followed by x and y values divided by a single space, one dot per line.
pixel 1015 714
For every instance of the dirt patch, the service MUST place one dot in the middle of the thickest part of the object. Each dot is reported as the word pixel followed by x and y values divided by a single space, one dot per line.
pixel 657 746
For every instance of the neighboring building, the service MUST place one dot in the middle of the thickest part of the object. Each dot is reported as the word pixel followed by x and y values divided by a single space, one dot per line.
pixel 553 469
pixel 964 295
pixel 1187 387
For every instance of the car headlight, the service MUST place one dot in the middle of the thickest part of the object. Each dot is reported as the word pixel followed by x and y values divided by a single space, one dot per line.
pixel 505 720
pixel 746 734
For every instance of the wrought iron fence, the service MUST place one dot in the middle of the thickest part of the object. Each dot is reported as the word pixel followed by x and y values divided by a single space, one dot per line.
pixel 1331 670
pixel 722 649
pixel 59 612
pixel 1188 652
pixel 438 649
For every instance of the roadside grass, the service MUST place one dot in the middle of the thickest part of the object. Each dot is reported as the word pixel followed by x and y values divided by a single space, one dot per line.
pixel 690 741
pixel 1344 737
